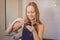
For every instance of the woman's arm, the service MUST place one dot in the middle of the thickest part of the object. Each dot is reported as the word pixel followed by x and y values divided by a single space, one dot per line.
pixel 38 36
pixel 16 24
pixel 35 35
pixel 41 31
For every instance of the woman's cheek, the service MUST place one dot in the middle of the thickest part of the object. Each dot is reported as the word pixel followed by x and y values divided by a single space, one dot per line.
pixel 33 15
pixel 28 16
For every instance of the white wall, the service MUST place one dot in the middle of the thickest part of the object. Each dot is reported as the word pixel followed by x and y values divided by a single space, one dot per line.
pixel 11 11
pixel 20 7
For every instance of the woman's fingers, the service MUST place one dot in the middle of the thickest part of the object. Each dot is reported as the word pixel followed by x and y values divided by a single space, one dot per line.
pixel 20 20
pixel 30 28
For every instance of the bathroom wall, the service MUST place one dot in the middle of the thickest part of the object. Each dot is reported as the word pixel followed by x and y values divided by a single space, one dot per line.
pixel 11 11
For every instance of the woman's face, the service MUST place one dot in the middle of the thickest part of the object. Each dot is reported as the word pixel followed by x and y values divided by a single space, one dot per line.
pixel 31 12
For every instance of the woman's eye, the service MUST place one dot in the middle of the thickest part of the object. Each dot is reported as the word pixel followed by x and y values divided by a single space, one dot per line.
pixel 28 12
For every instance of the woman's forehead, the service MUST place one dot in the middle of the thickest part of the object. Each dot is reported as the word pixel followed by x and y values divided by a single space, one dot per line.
pixel 30 8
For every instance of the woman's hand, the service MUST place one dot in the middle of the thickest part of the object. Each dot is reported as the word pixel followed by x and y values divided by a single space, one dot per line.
pixel 16 24
pixel 30 28
pixel 19 20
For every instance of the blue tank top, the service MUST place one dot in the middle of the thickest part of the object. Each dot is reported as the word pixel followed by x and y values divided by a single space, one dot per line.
pixel 26 34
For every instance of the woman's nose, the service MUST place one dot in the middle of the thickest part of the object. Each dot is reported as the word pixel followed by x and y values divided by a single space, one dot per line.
pixel 30 13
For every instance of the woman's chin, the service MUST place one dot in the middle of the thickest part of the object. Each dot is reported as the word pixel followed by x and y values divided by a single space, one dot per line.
pixel 31 19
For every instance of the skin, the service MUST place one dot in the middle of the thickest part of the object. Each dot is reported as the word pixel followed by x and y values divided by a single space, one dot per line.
pixel 31 15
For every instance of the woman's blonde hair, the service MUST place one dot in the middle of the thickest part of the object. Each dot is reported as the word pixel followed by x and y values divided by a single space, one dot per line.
pixel 36 11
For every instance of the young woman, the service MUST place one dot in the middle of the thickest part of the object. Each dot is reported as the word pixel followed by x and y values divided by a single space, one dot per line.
pixel 33 29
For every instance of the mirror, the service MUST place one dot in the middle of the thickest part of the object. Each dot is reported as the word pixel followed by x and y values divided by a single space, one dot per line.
pixel 49 14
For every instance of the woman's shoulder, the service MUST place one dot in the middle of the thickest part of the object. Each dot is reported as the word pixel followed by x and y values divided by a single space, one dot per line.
pixel 40 25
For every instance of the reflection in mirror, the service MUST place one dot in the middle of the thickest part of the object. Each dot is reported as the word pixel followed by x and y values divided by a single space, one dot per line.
pixel 49 13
